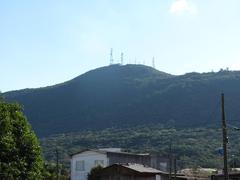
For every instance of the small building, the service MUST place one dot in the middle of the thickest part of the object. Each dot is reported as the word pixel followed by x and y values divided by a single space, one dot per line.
pixel 132 172
pixel 232 176
pixel 82 162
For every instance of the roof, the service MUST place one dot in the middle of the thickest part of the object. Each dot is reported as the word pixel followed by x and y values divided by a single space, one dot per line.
pixel 111 149
pixel 107 150
pixel 84 150
pixel 141 168
pixel 137 168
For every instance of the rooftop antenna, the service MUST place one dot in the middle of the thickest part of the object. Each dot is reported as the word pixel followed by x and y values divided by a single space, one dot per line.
pixel 153 62
pixel 111 56
pixel 121 58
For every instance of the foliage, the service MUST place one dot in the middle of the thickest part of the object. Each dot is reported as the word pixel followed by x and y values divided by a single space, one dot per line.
pixel 193 147
pixel 1 97
pixel 50 172
pixel 94 173
pixel 20 153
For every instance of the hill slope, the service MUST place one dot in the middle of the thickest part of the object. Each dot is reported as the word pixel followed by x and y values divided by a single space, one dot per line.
pixel 125 96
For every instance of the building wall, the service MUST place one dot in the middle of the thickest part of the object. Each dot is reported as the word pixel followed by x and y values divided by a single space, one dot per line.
pixel 121 177
pixel 89 158
pixel 221 177
pixel 159 162
pixel 128 158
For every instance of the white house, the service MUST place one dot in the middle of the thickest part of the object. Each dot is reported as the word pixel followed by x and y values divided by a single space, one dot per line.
pixel 83 161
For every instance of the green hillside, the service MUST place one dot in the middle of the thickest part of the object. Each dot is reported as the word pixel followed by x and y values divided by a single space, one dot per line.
pixel 193 147
pixel 126 96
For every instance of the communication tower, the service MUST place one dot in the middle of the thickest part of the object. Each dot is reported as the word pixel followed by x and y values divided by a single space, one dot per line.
pixel 153 62
pixel 121 58
pixel 111 56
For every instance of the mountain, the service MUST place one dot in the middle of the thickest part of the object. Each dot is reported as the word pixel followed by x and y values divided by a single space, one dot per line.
pixel 130 95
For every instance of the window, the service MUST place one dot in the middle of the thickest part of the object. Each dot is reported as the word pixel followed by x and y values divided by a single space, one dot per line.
pixel 80 166
pixel 99 163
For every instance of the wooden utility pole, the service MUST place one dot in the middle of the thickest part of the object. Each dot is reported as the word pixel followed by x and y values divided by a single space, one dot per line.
pixel 225 141
pixel 175 167
pixel 170 160
pixel 57 159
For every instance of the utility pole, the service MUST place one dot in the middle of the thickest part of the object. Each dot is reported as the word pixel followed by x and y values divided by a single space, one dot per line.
pixel 170 160
pixel 57 159
pixel 225 140
pixel 175 167
pixel 233 161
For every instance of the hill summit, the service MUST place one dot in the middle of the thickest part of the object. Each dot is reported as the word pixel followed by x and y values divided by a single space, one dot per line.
pixel 129 95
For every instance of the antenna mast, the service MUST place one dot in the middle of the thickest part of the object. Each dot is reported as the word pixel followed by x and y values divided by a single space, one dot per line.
pixel 111 56
pixel 153 62
pixel 121 58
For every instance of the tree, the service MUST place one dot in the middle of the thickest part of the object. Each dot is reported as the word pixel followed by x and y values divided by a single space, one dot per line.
pixel 94 173
pixel 20 152
pixel 1 97
pixel 50 172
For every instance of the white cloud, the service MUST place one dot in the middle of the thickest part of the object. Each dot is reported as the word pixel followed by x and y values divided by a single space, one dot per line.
pixel 180 6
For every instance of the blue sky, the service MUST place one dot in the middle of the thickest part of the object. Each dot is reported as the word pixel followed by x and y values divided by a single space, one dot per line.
pixel 44 42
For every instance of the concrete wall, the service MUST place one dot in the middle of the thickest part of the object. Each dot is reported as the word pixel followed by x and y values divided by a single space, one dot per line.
pixel 89 158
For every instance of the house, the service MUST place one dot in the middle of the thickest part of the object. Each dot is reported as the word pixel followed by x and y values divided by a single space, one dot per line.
pixel 131 171
pixel 232 176
pixel 83 161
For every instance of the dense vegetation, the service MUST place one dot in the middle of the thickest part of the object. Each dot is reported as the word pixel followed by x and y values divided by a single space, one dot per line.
pixel 94 173
pixel 192 147
pixel 20 152
pixel 126 96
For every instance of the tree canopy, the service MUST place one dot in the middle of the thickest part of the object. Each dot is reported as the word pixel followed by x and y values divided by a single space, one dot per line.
pixel 20 152
pixel 94 173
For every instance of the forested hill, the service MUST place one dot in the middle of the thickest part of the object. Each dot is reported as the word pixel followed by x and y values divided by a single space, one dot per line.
pixel 130 95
